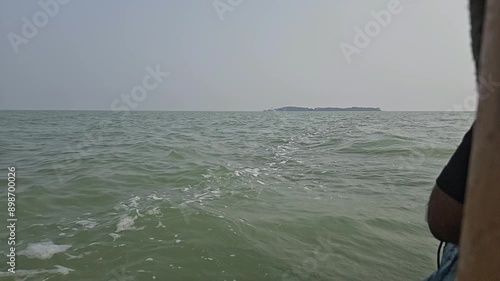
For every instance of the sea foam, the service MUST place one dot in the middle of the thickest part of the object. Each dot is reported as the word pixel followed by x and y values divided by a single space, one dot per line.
pixel 43 250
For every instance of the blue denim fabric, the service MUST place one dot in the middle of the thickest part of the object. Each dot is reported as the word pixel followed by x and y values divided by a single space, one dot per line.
pixel 449 263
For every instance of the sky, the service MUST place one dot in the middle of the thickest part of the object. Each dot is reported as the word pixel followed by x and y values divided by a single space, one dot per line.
pixel 235 55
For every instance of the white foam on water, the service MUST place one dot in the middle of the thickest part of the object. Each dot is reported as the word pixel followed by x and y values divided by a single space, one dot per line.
pixel 30 273
pixel 155 211
pixel 43 250
pixel 149 259
pixel 178 241
pixel 154 197
pixel 134 202
pixel 115 236
pixel 255 172
pixel 160 225
pixel 138 213
pixel 88 224
pixel 126 223
pixel 71 257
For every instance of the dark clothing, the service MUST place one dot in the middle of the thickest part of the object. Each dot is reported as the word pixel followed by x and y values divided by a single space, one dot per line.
pixel 452 181
pixel 453 178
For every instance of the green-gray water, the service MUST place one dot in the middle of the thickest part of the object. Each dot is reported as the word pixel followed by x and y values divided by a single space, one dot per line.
pixel 223 196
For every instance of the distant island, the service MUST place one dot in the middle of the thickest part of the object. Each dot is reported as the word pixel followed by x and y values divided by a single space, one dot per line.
pixel 296 108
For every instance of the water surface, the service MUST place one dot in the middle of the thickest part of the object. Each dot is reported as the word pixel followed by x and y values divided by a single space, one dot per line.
pixel 224 196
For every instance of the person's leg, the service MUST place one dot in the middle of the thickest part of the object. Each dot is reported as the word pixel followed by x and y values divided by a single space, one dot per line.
pixel 449 263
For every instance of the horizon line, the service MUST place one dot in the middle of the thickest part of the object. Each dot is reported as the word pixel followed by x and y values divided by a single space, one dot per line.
pixel 121 111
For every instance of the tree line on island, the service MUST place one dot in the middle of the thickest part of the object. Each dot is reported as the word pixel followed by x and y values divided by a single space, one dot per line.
pixel 296 108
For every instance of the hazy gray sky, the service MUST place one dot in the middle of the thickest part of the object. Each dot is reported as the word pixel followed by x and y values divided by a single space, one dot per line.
pixel 234 54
